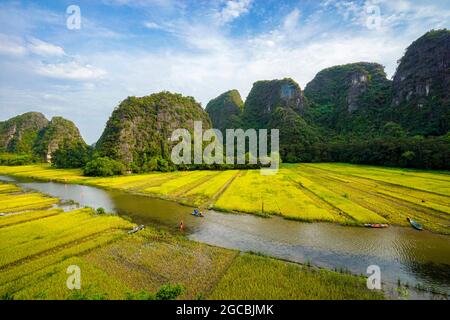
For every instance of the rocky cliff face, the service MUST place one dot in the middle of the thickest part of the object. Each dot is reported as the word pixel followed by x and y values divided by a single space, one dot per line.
pixel 349 97
pixel 421 87
pixel 18 135
pixel 225 110
pixel 275 104
pixel 32 133
pixel 140 128
pixel 267 96
pixel 346 87
pixel 58 133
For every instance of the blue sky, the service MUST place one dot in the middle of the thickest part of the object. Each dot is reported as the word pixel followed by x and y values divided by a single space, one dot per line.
pixel 197 48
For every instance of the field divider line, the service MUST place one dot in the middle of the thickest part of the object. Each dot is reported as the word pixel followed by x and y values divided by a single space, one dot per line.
pixel 401 174
pixel 393 200
pixel 315 197
pixel 194 184
pixel 381 182
pixel 56 249
pixel 58 260
pixel 386 189
pixel 223 189
pixel 50 214
pixel 420 213
pixel 221 275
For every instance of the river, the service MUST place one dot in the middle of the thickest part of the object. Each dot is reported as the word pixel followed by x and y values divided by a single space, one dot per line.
pixel 403 254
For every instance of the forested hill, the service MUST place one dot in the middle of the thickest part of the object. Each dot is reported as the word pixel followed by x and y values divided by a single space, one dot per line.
pixel 32 134
pixel 138 131
pixel 347 113
pixel 353 113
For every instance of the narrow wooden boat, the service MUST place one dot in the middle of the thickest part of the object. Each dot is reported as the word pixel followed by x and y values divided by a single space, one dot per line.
pixel 376 225
pixel 415 224
pixel 198 215
pixel 136 229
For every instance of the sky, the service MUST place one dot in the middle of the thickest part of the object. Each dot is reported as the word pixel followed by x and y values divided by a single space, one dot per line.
pixel 80 59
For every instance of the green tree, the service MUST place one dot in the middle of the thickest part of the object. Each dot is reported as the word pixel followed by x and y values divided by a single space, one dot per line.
pixel 103 167
pixel 72 156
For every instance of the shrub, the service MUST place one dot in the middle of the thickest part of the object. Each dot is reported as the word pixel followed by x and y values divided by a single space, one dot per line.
pixel 73 156
pixel 9 159
pixel 169 292
pixel 101 211
pixel 103 167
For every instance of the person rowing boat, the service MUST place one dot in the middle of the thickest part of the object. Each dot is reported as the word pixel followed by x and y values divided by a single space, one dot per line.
pixel 197 213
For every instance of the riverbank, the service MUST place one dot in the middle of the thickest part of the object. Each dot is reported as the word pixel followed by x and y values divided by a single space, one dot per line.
pixel 338 193
pixel 38 245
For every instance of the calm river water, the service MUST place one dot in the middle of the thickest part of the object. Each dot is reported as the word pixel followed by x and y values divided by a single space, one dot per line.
pixel 402 253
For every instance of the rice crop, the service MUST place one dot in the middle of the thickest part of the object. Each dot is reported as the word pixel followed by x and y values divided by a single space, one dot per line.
pixel 253 277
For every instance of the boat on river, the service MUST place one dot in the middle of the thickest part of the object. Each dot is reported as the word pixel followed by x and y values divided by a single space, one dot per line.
pixel 376 225
pixel 415 224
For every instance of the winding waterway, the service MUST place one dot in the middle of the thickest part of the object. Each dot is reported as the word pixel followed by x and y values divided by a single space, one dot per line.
pixel 403 254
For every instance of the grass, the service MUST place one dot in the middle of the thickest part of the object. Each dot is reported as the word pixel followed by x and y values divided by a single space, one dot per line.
pixel 37 247
pixel 8 188
pixel 13 219
pixel 253 277
pixel 151 259
pixel 341 193
pixel 16 203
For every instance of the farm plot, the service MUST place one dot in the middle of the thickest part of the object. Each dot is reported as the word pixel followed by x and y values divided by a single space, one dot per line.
pixel 22 202
pixel 152 259
pixel 253 193
pixel 38 246
pixel 393 202
pixel 254 277
pixel 45 172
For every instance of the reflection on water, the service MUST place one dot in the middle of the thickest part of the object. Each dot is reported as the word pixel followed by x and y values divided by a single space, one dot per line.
pixel 402 253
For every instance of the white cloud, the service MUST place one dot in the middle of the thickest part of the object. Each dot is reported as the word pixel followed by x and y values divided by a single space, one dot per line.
pixel 11 46
pixel 292 19
pixel 45 49
pixel 233 9
pixel 141 3
pixel 202 59
pixel 152 25
pixel 70 71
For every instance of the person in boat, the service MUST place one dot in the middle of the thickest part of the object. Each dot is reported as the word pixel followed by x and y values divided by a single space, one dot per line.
pixel 196 212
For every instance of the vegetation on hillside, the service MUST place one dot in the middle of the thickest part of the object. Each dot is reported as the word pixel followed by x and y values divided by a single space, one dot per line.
pixel 59 133
pixel 31 138
pixel 18 135
pixel 349 98
pixel 16 159
pixel 421 86
pixel 225 111
pixel 349 113
pixel 140 128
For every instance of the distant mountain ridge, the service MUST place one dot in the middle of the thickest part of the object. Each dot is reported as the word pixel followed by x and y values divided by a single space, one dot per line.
pixel 32 133
pixel 356 101
pixel 349 113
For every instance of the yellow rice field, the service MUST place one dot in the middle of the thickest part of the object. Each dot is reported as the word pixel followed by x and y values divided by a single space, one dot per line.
pixel 37 246
pixel 342 193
